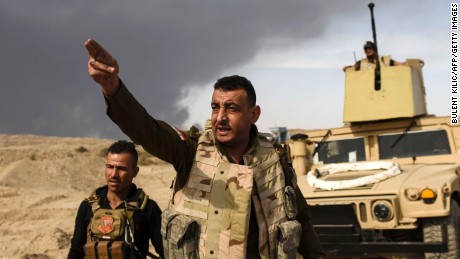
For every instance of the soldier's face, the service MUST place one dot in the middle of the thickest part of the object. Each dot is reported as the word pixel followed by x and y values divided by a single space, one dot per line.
pixel 119 172
pixel 369 52
pixel 232 117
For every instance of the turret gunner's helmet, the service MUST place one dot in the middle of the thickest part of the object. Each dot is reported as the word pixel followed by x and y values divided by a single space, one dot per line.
pixel 369 44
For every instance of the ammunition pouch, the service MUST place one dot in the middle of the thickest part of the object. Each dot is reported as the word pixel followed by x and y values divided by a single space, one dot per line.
pixel 289 233
pixel 110 249
pixel 290 203
pixel 180 235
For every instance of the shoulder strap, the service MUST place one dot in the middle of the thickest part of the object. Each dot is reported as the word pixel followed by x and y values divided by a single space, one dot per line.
pixel 266 139
pixel 143 199
pixel 137 204
pixel 93 200
pixel 140 203
pixel 291 177
pixel 289 173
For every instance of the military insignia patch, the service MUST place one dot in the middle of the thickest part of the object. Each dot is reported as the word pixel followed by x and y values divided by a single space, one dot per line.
pixel 106 225
pixel 180 133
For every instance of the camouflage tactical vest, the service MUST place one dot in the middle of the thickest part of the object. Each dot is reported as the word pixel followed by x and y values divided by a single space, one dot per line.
pixel 110 233
pixel 384 61
pixel 218 196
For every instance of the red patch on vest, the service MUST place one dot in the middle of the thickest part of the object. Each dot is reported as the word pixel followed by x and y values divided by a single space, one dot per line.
pixel 106 225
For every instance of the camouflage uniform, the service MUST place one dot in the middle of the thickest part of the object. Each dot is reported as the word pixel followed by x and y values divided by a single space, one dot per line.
pixel 364 63
pixel 223 215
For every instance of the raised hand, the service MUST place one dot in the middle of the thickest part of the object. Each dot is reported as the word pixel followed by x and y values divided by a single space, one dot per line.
pixel 102 67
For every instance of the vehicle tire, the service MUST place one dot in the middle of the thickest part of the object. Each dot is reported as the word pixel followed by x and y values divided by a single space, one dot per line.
pixel 432 232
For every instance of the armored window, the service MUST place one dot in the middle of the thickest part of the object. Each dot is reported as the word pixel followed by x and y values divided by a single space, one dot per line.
pixel 340 151
pixel 413 144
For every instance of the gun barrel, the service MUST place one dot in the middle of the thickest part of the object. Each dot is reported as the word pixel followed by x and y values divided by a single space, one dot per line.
pixel 377 83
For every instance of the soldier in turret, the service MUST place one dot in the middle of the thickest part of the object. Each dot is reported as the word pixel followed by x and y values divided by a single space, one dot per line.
pixel 369 62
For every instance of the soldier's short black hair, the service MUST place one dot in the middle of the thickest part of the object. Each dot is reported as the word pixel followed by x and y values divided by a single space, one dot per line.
pixel 123 146
pixel 231 83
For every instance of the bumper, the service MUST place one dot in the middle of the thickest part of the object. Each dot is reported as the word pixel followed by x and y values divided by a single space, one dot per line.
pixel 340 234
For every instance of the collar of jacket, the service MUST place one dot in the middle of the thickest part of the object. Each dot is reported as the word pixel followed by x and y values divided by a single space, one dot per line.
pixel 132 195
pixel 253 142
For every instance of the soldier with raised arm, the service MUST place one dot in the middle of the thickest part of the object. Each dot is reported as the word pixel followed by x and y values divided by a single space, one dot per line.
pixel 234 195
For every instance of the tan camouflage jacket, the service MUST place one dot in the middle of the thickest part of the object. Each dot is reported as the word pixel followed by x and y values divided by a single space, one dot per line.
pixel 384 61
pixel 179 148
pixel 218 195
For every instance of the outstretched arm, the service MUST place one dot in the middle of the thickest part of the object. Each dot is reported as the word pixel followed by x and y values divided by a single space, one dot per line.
pixel 103 68
pixel 356 66
pixel 157 137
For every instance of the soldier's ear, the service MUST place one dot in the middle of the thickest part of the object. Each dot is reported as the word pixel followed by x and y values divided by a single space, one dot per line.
pixel 255 113
pixel 136 170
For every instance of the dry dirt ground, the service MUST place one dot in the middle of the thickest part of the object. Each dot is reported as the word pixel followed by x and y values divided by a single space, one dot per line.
pixel 44 179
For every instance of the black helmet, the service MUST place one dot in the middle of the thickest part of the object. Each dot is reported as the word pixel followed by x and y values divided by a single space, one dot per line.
pixel 369 44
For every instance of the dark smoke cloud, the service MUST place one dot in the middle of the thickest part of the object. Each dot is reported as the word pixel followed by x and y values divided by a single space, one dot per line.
pixel 162 47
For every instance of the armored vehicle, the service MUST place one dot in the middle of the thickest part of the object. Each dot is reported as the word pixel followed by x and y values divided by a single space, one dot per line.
pixel 386 183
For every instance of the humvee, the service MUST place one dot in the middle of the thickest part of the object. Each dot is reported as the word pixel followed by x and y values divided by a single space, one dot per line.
pixel 387 182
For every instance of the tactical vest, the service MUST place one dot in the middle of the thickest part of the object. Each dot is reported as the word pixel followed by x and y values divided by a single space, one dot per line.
pixel 216 201
pixel 384 61
pixel 110 233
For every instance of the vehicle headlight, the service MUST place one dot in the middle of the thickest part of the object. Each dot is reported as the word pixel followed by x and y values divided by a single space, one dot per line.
pixel 382 210
pixel 412 194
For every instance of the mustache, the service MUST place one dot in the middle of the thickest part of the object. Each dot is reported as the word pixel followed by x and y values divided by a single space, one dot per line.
pixel 223 124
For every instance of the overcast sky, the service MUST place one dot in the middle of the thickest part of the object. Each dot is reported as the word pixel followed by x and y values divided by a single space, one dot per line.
pixel 171 52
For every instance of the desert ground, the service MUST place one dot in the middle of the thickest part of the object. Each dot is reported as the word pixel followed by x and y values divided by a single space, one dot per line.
pixel 44 179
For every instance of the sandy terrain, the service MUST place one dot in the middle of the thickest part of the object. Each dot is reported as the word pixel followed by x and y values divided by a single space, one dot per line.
pixel 42 182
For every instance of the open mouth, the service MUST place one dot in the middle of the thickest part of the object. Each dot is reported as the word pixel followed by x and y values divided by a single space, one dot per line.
pixel 223 129
pixel 113 182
